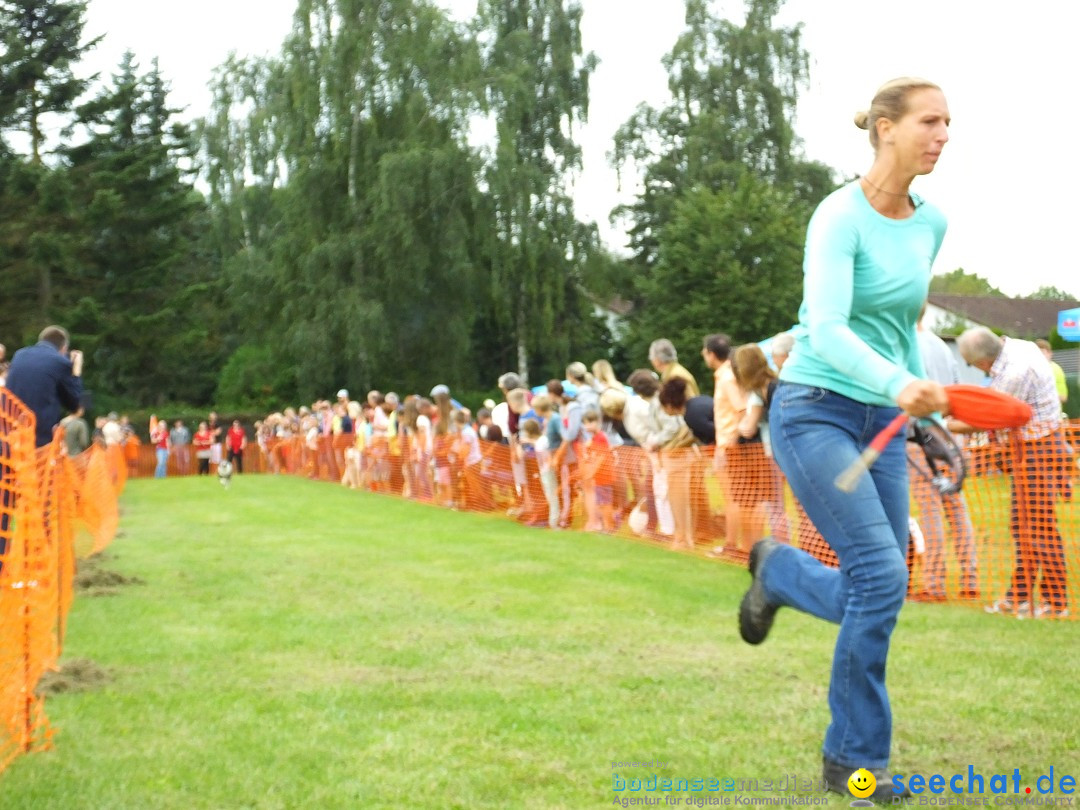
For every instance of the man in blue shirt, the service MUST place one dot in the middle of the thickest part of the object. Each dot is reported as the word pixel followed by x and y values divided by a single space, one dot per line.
pixel 44 378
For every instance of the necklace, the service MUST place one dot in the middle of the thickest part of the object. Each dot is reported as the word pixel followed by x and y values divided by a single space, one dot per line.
pixel 915 202
pixel 883 191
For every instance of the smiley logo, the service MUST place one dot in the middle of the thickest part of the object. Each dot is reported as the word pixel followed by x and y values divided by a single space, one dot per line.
pixel 861 783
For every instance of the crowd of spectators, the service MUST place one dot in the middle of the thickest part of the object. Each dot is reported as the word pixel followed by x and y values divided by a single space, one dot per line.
pixel 644 452
pixel 211 443
pixel 640 450
pixel 650 452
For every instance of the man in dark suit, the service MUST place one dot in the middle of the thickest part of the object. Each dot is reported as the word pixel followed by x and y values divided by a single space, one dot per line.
pixel 45 378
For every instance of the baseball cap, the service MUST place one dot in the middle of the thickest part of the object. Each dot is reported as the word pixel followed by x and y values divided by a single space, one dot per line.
pixel 440 389
pixel 343 394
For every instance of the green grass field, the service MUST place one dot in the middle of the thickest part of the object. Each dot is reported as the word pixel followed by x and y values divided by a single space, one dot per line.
pixel 297 645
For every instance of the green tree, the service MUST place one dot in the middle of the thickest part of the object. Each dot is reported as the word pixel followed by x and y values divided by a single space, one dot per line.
pixel 960 282
pixel 40 44
pixel 1050 293
pixel 537 92
pixel 138 244
pixel 345 199
pixel 725 141
pixel 252 377
pixel 37 227
pixel 746 239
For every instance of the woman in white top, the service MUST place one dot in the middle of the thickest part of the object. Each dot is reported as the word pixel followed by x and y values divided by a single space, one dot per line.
pixel 757 381
pixel 757 476
pixel 604 377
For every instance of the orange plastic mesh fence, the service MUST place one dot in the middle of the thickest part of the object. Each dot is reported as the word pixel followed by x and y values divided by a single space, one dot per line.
pixel 1024 518
pixel 23 655
pixel 95 484
pixel 1007 542
pixel 45 497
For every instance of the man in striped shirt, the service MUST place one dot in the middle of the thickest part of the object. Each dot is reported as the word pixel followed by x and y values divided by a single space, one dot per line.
pixel 1040 473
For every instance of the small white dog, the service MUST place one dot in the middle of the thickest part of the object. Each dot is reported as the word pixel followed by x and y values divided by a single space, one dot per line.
pixel 224 472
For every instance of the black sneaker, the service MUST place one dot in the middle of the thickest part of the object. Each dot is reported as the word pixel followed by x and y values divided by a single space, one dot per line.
pixel 836 778
pixel 756 612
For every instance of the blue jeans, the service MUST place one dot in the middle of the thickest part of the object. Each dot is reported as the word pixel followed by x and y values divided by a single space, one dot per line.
pixel 162 462
pixel 816 434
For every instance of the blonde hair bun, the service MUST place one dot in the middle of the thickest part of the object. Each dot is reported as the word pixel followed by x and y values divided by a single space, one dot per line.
pixel 862 119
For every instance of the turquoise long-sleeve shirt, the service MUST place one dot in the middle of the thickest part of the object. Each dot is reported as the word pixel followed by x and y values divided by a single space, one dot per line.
pixel 865 279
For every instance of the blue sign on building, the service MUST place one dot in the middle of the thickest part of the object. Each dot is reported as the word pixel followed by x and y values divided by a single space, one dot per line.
pixel 1068 326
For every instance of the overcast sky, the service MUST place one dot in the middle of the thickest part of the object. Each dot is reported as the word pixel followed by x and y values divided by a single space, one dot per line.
pixel 1008 178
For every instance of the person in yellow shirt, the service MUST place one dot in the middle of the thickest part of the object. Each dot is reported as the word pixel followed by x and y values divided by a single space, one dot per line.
pixel 1059 372
pixel 665 360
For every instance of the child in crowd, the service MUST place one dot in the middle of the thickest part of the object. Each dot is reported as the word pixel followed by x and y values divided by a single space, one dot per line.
pixel 518 401
pixel 353 477
pixel 364 433
pixel 467 449
pixel 443 442
pixel 543 407
pixel 341 428
pixel 565 460
pixel 530 434
pixel 483 422
pixel 597 468
pixel 535 508
pixel 423 447
pixel 533 437
pixel 540 410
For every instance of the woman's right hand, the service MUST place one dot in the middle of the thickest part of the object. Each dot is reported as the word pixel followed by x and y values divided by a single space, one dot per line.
pixel 922 398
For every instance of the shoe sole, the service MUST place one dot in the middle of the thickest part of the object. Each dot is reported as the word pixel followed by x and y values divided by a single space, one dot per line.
pixel 755 632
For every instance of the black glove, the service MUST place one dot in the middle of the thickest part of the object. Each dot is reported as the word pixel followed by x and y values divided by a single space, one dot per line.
pixel 942 454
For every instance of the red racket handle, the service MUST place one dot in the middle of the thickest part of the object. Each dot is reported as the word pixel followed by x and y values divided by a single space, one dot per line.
pixel 849 478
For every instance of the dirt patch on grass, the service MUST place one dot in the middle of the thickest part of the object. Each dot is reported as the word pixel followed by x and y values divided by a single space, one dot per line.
pixel 102 578
pixel 90 593
pixel 76 675
pixel 95 580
